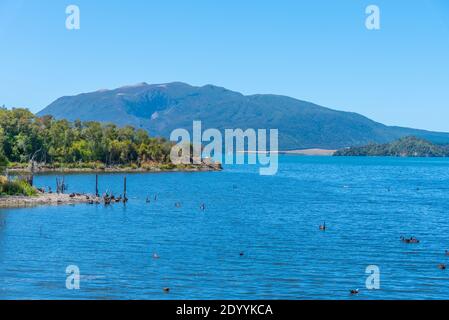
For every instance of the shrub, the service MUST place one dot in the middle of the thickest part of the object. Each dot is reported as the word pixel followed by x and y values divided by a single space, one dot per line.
pixel 167 166
pixel 16 187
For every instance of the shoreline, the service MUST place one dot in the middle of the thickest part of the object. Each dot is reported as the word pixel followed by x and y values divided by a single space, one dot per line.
pixel 302 152
pixel 55 199
pixel 45 170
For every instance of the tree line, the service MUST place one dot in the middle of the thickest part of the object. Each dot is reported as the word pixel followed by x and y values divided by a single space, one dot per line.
pixel 25 137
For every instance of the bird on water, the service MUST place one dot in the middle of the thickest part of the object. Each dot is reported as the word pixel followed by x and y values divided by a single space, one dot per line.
pixel 323 227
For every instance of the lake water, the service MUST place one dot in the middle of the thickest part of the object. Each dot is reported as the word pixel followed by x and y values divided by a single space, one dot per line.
pixel 367 203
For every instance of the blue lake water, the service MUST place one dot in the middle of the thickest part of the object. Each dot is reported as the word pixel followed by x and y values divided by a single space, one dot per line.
pixel 367 203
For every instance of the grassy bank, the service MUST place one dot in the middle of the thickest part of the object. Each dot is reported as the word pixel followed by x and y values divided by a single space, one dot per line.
pixel 16 188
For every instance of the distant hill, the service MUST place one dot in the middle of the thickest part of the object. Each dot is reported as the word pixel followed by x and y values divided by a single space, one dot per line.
pixel 404 147
pixel 165 107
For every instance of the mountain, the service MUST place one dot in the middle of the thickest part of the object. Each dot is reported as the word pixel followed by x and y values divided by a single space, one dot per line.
pixel 404 147
pixel 160 108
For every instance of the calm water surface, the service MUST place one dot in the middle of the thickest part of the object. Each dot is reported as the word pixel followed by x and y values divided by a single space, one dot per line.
pixel 367 203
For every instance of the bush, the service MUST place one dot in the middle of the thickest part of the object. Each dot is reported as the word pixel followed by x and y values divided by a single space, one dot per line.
pixel 16 188
pixel 94 165
pixel 167 166
pixel 18 165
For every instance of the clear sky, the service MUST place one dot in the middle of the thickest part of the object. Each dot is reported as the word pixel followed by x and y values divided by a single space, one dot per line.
pixel 317 50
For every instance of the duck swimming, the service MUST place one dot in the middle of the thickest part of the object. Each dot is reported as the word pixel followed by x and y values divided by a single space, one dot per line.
pixel 356 291
pixel 323 227
pixel 414 240
pixel 442 266
pixel 409 240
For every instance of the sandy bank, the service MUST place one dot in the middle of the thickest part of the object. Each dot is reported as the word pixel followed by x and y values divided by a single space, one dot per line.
pixel 46 199
pixel 304 152
pixel 312 152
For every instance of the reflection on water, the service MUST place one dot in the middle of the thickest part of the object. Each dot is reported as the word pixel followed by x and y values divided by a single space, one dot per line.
pixel 367 204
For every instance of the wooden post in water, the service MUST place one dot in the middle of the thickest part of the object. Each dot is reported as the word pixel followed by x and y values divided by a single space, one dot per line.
pixel 125 199
pixel 124 187
pixel 96 185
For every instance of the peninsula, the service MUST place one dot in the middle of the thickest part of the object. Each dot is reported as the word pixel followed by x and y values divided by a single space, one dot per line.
pixel 404 147
pixel 34 144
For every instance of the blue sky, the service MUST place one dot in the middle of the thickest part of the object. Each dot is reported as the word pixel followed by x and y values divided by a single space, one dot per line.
pixel 318 51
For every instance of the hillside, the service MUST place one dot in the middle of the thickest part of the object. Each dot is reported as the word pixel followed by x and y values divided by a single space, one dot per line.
pixel 163 108
pixel 404 147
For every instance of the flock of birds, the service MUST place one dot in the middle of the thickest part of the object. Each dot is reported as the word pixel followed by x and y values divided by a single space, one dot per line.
pixel 177 205
pixel 323 227
pixel 107 198
pixel 411 240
